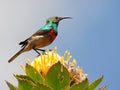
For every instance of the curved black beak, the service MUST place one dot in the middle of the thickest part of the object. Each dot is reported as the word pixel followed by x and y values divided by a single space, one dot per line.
pixel 65 18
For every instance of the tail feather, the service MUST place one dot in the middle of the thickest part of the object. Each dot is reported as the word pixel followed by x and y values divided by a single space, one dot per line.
pixel 23 43
pixel 16 55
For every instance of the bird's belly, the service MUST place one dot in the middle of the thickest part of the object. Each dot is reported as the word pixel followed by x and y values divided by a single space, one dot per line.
pixel 41 41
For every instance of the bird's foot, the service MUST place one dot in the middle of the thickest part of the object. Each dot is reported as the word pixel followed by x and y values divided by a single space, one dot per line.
pixel 43 51
pixel 37 51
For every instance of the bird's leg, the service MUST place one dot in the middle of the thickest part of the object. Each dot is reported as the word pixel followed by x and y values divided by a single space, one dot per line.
pixel 40 50
pixel 36 51
pixel 43 51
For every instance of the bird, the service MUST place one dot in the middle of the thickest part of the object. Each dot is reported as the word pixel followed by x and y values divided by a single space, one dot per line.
pixel 41 38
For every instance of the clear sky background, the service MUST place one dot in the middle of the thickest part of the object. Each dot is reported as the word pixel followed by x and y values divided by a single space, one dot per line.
pixel 92 36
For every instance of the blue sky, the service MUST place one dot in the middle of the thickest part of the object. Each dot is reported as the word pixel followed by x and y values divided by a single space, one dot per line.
pixel 92 36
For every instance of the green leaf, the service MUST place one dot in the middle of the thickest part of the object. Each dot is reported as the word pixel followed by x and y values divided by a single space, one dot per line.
pixel 11 87
pixel 94 84
pixel 34 74
pixel 24 82
pixel 58 76
pixel 23 77
pixel 41 87
pixel 81 86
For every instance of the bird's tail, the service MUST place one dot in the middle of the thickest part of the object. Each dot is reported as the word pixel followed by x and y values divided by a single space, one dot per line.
pixel 16 55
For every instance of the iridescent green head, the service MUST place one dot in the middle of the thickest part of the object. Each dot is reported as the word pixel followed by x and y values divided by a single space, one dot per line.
pixel 56 19
pixel 52 23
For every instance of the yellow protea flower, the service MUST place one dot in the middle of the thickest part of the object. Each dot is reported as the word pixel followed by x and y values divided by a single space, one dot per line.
pixel 43 63
pixel 50 71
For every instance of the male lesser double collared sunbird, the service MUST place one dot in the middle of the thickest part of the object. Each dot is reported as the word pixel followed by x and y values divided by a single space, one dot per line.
pixel 43 37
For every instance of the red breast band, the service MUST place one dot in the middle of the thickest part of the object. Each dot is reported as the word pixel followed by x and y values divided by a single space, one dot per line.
pixel 52 34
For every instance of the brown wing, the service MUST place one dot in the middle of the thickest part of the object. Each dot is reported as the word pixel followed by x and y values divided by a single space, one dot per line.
pixel 39 32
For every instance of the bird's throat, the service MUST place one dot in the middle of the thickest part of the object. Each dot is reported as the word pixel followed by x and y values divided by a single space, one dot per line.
pixel 52 34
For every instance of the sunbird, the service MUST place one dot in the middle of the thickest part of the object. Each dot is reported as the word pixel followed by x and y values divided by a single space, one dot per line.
pixel 43 37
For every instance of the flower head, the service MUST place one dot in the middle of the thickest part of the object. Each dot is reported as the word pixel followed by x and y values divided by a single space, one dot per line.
pixel 45 61
pixel 50 71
